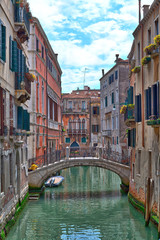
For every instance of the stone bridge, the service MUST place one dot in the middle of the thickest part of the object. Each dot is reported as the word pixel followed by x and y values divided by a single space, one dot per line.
pixel 37 177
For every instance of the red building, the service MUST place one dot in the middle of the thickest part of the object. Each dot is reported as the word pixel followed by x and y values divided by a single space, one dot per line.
pixel 45 97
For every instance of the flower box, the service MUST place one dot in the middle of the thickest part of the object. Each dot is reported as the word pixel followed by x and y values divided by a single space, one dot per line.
pixel 146 60
pixel 151 122
pixel 157 40
pixel 149 49
pixel 136 69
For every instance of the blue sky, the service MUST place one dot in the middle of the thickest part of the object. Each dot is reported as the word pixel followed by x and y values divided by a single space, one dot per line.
pixel 87 34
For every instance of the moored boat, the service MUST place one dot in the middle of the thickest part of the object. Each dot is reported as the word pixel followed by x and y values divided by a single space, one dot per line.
pixel 54 181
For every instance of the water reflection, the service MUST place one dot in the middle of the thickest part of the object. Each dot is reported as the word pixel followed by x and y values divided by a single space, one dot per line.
pixel 87 206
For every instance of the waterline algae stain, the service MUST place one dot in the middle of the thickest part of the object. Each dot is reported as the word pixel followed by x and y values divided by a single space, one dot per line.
pixel 88 205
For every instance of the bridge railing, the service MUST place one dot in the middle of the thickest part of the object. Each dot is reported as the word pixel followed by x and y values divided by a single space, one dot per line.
pixel 51 157
pixel 111 155
pixel 82 152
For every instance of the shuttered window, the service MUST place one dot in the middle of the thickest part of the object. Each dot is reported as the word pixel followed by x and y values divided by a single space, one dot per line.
pixel 116 75
pixel 155 98
pixel 95 110
pixel 95 128
pixel 106 102
pixel 2 42
pixel 83 140
pixel 20 118
pixel 112 97
pixel 147 103
pixel 132 138
pixel 23 119
pixel 13 55
pixel 67 140
pixel 138 108
pixel 130 95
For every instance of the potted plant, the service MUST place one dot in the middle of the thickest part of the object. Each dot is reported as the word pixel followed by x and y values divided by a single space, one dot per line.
pixel 149 49
pixel 123 109
pixel 157 40
pixel 152 120
pixel 158 121
pixel 136 69
pixel 145 60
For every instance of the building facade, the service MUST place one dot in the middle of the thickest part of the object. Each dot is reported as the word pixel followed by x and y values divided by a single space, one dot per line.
pixel 46 131
pixel 114 85
pixel 15 93
pixel 145 169
pixel 80 118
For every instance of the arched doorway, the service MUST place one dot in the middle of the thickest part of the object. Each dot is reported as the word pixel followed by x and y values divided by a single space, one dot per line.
pixel 74 149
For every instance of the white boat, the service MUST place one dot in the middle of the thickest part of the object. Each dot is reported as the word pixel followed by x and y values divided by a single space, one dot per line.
pixel 54 181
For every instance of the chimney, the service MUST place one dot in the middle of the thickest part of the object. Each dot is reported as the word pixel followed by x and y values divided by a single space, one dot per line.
pixel 145 9
pixel 139 11
pixel 117 56
pixel 102 72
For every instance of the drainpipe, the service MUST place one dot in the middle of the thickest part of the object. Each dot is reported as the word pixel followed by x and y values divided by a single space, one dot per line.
pixel 142 104
pixel 46 105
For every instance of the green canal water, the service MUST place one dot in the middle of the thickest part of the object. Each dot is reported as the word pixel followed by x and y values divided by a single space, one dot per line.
pixel 88 205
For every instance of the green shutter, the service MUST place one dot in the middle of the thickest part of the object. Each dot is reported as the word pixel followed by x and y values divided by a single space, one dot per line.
pixel 26 120
pixel 3 43
pixel 20 118
pixel 10 53
pixel 106 101
pixel 129 138
pixel 14 57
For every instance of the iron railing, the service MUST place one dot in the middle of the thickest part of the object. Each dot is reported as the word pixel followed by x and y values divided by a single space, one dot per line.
pixel 109 154
pixel 129 114
pixel 82 152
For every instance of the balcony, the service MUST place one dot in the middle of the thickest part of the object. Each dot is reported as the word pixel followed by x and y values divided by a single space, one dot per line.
pixel 22 24
pixel 129 117
pixel 77 131
pixel 106 133
pixel 22 89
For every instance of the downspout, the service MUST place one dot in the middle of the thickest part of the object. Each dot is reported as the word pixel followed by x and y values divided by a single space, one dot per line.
pixel 142 104
pixel 46 105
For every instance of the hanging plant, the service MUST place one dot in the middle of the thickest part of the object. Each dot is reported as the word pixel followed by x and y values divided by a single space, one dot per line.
pixel 149 49
pixel 157 40
pixel 145 60
pixel 130 106
pixel 136 69
pixel 123 109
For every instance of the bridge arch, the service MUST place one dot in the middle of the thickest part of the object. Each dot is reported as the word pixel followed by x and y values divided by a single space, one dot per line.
pixel 37 177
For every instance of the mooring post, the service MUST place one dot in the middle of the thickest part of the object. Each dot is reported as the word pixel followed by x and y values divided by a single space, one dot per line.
pixel 148 198
pixel 67 153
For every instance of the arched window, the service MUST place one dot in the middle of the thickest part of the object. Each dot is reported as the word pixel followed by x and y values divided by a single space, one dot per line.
pixel 74 124
pixel 70 124
pixel 79 124
pixel 83 124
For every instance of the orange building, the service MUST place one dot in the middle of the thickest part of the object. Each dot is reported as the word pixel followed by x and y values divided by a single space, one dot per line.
pixel 45 97
pixel 76 118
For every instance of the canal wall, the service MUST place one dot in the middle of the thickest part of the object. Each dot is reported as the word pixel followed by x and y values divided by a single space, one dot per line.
pixel 12 217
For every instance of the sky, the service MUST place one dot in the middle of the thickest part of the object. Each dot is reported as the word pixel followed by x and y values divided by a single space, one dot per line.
pixel 87 34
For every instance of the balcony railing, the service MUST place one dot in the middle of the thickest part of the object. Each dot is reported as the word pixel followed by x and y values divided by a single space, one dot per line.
pixel 21 18
pixel 107 133
pixel 77 131
pixel 23 89
pixel 129 117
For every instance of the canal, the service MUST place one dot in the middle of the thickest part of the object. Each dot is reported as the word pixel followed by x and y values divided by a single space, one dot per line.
pixel 88 205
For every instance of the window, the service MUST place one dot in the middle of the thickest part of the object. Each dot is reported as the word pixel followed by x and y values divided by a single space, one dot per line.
pixel 147 103
pixel 11 114
pixel 132 138
pixel 42 51
pixel 2 42
pixel 37 94
pixel 117 139
pixel 112 140
pixel 37 137
pixel 13 55
pixel 156 27
pixel 70 104
pixel 138 108
pixel 83 124
pixel 2 110
pixel 139 54
pixel 83 105
pixel 95 128
pixel 70 124
pixel 112 97
pixel 110 79
pixel 116 122
pixel 79 124
pixel 139 162
pixel 112 123
pixel 83 140
pixel 95 110
pixel 68 140
pixel 116 75
pixel 149 36
pixel 106 103
pixel 37 45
